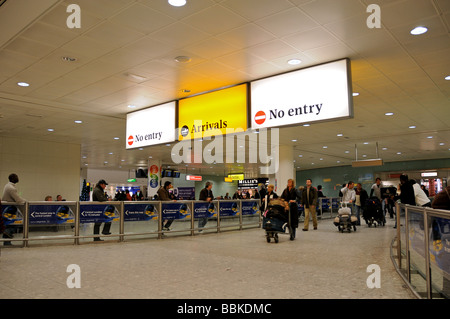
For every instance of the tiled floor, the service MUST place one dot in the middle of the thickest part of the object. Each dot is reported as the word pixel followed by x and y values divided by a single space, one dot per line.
pixel 229 265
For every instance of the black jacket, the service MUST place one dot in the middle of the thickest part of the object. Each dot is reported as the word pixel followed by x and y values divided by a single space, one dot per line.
pixel 312 197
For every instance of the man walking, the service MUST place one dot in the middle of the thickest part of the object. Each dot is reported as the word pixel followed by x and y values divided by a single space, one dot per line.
pixel 309 202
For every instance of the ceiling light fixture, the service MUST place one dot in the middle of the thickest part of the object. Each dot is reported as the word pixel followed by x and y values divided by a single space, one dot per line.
pixel 340 134
pixel 412 126
pixel 177 3
pixel 132 106
pixel 50 130
pixel 183 59
pixel 294 61
pixel 23 84
pixel 389 114
pixel 419 30
pixel 355 94
pixel 447 77
pixel 68 59
pixel 78 121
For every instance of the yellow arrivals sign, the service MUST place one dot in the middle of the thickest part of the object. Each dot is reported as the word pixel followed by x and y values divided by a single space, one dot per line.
pixel 216 113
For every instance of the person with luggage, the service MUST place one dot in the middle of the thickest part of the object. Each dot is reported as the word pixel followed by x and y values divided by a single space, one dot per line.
pixel 360 200
pixel 309 202
pixel 348 193
pixel 290 196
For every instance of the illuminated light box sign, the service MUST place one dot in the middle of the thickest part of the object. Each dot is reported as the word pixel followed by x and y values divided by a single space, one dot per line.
pixel 215 113
pixel 194 178
pixel 308 95
pixel 152 126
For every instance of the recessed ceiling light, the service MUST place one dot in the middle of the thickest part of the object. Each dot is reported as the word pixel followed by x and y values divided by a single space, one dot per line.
pixel 324 146
pixel 300 156
pixel 355 93
pixel 419 30
pixel 177 3
pixel 340 134
pixel 68 59
pixel 294 140
pixel 132 106
pixel 389 114
pixel 183 59
pixel 346 152
pixel 412 126
pixel 399 153
pixel 78 121
pixel 384 148
pixel 50 130
pixel 366 143
pixel 306 125
pixel 447 77
pixel 23 84
pixel 441 144
pixel 117 138
pixel 430 137
pixel 294 61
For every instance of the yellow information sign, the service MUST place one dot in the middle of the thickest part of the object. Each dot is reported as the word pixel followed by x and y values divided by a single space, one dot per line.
pixel 215 113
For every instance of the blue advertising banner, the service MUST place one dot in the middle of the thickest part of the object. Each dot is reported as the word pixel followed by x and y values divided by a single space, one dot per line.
pixel 205 210
pixel 440 244
pixel 12 215
pixel 174 210
pixel 140 212
pixel 229 208
pixel 250 208
pixel 98 213
pixel 50 214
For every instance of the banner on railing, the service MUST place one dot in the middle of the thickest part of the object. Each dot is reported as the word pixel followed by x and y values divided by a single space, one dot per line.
pixel 95 213
pixel 249 208
pixel 205 209
pixel 51 215
pixel 12 215
pixel 173 210
pixel 140 212
pixel 228 209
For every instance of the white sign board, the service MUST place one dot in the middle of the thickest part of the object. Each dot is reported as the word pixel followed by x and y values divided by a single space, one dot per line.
pixel 151 126
pixel 308 95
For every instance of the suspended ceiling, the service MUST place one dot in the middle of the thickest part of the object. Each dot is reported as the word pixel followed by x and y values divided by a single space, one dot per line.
pixel 125 55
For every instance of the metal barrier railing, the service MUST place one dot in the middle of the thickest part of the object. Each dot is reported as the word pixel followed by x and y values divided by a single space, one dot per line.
pixel 423 250
pixel 126 219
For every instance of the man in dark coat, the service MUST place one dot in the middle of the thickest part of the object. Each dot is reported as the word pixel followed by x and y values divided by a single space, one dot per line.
pixel 98 195
pixel 309 202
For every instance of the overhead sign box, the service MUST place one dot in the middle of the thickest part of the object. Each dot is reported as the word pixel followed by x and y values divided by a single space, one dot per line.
pixel 194 178
pixel 215 113
pixel 308 95
pixel 152 126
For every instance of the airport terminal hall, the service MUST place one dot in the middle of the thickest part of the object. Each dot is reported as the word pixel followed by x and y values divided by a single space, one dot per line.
pixel 224 157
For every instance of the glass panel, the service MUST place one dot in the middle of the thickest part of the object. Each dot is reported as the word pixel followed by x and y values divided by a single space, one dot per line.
pixel 141 218
pixel 176 218
pixel 99 218
pixel 417 251
pixel 439 246
pixel 205 216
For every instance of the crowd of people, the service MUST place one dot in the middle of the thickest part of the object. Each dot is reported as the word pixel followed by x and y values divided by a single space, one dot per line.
pixel 408 192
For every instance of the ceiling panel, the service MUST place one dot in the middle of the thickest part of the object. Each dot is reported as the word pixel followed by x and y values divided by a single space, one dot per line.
pixel 125 55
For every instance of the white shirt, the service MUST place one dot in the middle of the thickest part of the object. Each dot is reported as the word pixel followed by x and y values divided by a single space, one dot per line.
pixel 348 195
pixel 421 197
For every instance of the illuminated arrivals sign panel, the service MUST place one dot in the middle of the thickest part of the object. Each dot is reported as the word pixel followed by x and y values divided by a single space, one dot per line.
pixel 308 95
pixel 151 126
pixel 215 113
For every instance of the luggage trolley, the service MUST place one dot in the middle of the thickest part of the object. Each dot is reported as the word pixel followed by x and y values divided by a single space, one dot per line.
pixel 275 220
pixel 345 220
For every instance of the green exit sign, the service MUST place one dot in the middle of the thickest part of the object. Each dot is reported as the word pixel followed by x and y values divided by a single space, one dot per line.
pixel 131 180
